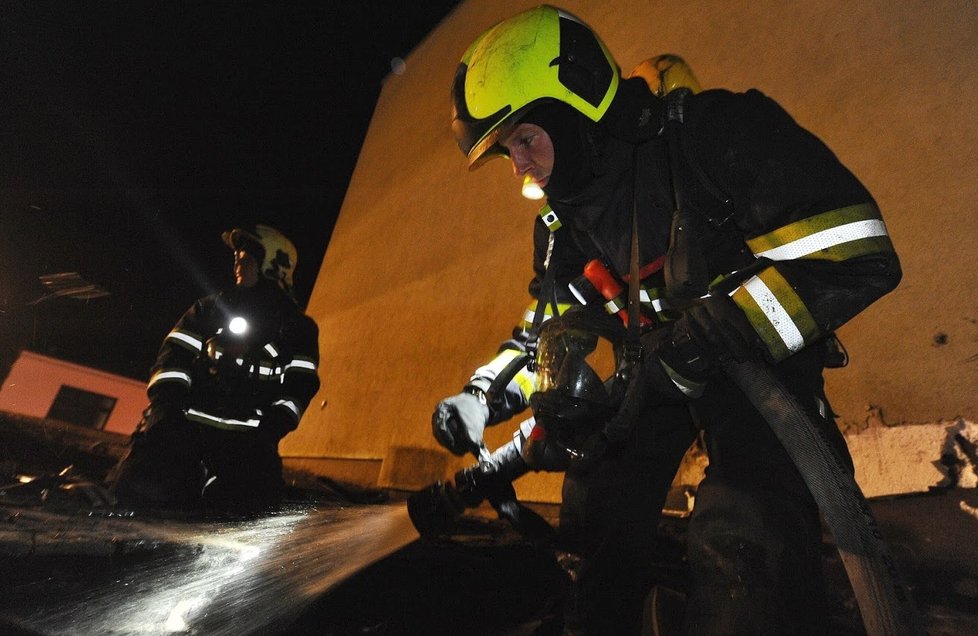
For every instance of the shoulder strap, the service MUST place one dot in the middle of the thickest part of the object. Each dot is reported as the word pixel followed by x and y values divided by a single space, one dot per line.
pixel 685 271
pixel 676 112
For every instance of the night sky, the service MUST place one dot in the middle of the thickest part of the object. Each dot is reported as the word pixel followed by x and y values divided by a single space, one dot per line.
pixel 132 134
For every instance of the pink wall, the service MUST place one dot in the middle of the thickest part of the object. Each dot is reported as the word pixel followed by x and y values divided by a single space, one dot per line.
pixel 34 381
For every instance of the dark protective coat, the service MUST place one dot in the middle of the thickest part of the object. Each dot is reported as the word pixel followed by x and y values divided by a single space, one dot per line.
pixel 797 244
pixel 223 400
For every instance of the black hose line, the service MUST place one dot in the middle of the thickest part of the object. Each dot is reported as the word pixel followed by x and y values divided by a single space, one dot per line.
pixel 884 602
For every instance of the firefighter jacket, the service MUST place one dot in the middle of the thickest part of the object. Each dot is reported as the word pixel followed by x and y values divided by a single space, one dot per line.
pixel 244 359
pixel 786 231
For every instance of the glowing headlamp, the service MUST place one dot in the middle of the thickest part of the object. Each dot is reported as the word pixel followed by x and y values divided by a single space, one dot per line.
pixel 238 325
pixel 531 189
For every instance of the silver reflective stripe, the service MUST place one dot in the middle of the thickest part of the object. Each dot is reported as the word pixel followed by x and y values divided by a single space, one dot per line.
pixel 613 306
pixel 222 421
pixel 289 404
pixel 182 337
pixel 170 376
pixel 825 239
pixel 272 351
pixel 779 318
pixel 523 433
pixel 301 364
pixel 688 387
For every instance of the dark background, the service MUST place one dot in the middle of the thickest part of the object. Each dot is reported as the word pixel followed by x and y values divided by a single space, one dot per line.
pixel 132 134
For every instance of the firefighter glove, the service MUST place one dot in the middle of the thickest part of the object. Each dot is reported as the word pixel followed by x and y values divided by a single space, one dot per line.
pixel 459 421
pixel 681 357
pixel 276 423
pixel 169 399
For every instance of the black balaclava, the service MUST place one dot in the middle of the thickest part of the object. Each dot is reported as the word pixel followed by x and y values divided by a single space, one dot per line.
pixel 572 169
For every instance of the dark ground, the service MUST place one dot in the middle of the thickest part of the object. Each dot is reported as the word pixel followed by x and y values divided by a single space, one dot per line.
pixel 342 570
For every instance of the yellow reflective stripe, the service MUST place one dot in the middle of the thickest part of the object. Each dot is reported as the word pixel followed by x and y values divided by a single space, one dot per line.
pixel 185 339
pixel 497 364
pixel 836 235
pixel 170 375
pixel 524 379
pixel 550 218
pixel 776 312
pixel 531 309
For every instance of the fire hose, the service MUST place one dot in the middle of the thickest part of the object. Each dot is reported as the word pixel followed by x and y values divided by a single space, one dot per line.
pixel 884 603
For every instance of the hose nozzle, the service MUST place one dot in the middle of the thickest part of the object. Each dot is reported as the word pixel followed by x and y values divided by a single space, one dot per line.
pixel 435 510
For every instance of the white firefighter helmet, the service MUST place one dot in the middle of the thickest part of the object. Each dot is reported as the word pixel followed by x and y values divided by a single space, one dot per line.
pixel 275 253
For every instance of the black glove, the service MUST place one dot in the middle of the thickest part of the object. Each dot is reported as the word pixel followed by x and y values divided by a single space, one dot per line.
pixel 459 421
pixel 276 422
pixel 168 399
pixel 680 357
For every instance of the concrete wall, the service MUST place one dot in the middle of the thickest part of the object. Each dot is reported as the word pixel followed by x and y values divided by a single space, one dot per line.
pixel 34 381
pixel 427 267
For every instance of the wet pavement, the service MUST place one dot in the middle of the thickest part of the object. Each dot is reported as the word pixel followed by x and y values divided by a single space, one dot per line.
pixel 337 560
pixel 325 566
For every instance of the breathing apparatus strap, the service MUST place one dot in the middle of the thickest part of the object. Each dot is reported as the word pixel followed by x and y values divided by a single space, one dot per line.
pixel 546 296
pixel 685 270
pixel 633 342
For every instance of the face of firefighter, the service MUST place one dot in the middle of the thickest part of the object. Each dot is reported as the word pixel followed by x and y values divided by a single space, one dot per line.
pixel 245 269
pixel 531 151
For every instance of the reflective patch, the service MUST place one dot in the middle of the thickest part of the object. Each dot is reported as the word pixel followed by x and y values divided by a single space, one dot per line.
pixel 531 311
pixel 825 240
pixel 836 235
pixel 550 218
pixel 776 312
pixel 525 380
pixel 164 375
pixel 289 404
pixel 222 422
pixel 688 387
pixel 301 364
pixel 185 340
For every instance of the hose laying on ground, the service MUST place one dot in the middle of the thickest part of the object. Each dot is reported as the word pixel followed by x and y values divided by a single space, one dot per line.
pixel 884 602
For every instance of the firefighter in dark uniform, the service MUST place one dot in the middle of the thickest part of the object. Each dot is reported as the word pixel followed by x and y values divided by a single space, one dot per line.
pixel 780 245
pixel 232 378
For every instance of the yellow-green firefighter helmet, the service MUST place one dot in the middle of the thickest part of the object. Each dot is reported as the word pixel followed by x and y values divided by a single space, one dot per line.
pixel 543 54
pixel 275 253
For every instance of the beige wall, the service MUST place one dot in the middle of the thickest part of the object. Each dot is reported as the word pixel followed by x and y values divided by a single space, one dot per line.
pixel 427 268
